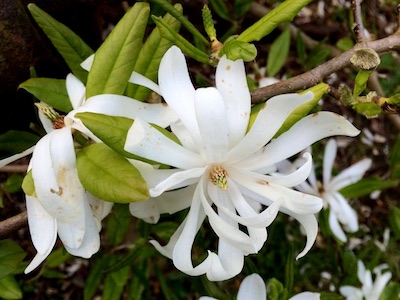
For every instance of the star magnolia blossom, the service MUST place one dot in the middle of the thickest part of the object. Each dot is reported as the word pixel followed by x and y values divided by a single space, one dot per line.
pixel 253 288
pixel 340 209
pixel 61 205
pixel 219 162
pixel 370 290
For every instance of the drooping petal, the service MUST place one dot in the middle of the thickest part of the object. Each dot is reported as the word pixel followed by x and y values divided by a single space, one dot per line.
pixel 306 296
pixel 267 123
pixel 212 124
pixel 42 226
pixel 76 91
pixel 350 175
pixel 15 157
pixel 36 261
pixel 146 210
pixel 122 106
pixel 146 141
pixel 252 288
pixel 139 79
pixel 177 89
pixel 301 135
pixel 329 158
pixel 230 80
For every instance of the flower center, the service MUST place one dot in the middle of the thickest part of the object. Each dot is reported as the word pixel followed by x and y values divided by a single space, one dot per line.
pixel 56 119
pixel 219 177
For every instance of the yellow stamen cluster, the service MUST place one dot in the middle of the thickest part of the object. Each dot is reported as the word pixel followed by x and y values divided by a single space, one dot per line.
pixel 219 177
pixel 56 119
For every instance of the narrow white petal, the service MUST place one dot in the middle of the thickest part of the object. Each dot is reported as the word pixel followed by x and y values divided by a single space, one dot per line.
pixel 46 123
pixel 42 226
pixel 146 141
pixel 15 157
pixel 139 79
pixel 230 80
pixel 252 288
pixel 212 121
pixel 177 89
pixel 36 261
pixel 335 227
pixel 174 201
pixel 306 296
pixel 87 63
pixel 361 271
pixel 268 122
pixel 351 293
pixel 329 158
pixel 76 91
pixel 347 215
pixel 122 106
pixel 350 175
pixel 301 135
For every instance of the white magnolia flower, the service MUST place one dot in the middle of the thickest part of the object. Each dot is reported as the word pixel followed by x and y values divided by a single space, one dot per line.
pixel 61 204
pixel 340 210
pixel 219 162
pixel 253 288
pixel 370 290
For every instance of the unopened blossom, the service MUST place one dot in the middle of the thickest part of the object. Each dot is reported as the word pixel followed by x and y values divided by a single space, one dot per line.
pixel 371 289
pixel 219 165
pixel 61 206
pixel 253 288
pixel 341 214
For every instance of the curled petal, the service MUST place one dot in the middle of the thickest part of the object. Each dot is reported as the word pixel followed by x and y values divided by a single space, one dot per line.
pixel 350 175
pixel 139 79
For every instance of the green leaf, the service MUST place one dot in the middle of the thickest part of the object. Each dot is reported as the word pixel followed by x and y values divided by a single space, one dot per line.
pixel 394 220
pixel 118 224
pixel 275 289
pixel 394 160
pixel 345 44
pixel 114 284
pixel 289 269
pixel 220 8
pixel 13 183
pixel 114 60
pixel 366 186
pixel 150 56
pixel 71 47
pixel 11 255
pixel 28 185
pixel 278 53
pixel 368 109
pixel 181 18
pixel 301 48
pixel 109 176
pixel 57 257
pixel 330 296
pixel 49 90
pixel 391 291
pixel 361 82
pixel 319 90
pixel 169 33
pixel 14 141
pixel 94 278
pixel 235 49
pixel 285 12
pixel 9 288
pixel 241 7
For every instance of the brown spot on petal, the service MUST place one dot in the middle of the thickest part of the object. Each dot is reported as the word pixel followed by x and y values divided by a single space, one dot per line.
pixel 228 68
pixel 262 182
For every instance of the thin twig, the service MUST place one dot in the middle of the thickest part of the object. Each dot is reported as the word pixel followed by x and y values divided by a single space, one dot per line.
pixel 14 168
pixel 13 224
pixel 358 23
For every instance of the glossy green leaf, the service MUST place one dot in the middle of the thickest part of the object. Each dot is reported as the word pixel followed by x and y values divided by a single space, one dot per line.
pixel 169 33
pixel 285 12
pixel 235 49
pixel 319 90
pixel 28 185
pixel 49 90
pixel 394 220
pixel 14 141
pixel 181 18
pixel 109 176
pixel 366 186
pixel 9 288
pixel 360 82
pixel 114 60
pixel 150 56
pixel 71 47
pixel 278 53
pixel 11 255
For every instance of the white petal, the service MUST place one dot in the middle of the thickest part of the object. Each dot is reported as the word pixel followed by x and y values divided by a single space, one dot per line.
pixel 15 157
pixel 252 288
pixel 46 123
pixel 122 106
pixel 306 296
pixel 351 293
pixel 347 215
pixel 42 226
pixel 177 88
pixel 350 175
pixel 139 79
pixel 361 271
pixel 183 135
pixel 146 210
pixel 329 158
pixel 146 141
pixel 212 121
pixel 230 80
pixel 301 135
pixel 36 261
pixel 76 91
pixel 267 123
pixel 335 227
pixel 174 201
pixel 87 63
